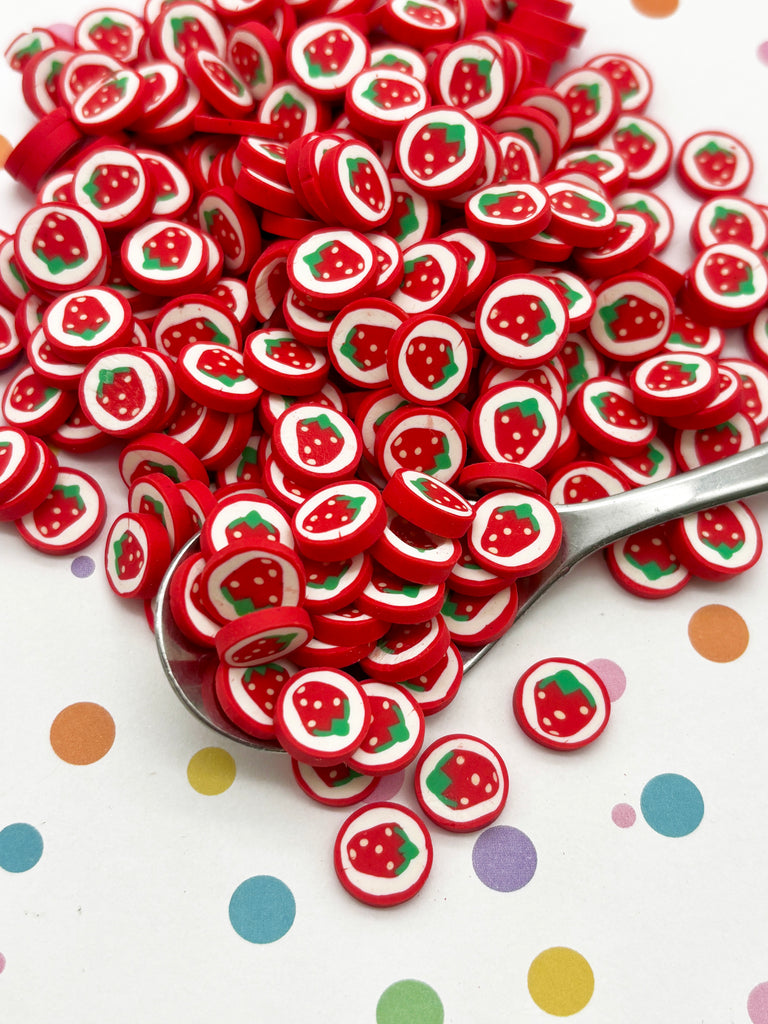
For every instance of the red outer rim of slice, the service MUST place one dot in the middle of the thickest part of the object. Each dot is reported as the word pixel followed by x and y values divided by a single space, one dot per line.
pixel 109 325
pixel 136 395
pixel 478 799
pixel 305 260
pixel 87 244
pixel 586 682
pixel 580 215
pixel 428 503
pixel 390 888
pixel 69 518
pixel 316 444
pixel 35 405
pixel 714 222
pixel 718 543
pixel 705 445
pixel 352 534
pixel 489 443
pixel 441 341
pixel 155 494
pixel 333 785
pixel 334 585
pixel 263 636
pixel 512 344
pixel 476 619
pixel 449 178
pixel 483 477
pixel 443 431
pixel 239 517
pixel 669 385
pixel 192 620
pixel 496 516
pixel 700 165
pixel 628 559
pixel 644 201
pixel 158 452
pixel 374 118
pixel 305 57
pixel 146 539
pixel 725 306
pixel 630 242
pixel 296 714
pixel 623 428
pixel 508 212
pixel 424 559
pixel 248 695
pixel 406 650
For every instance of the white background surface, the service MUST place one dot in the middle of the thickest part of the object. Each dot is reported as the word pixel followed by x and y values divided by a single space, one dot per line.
pixel 124 918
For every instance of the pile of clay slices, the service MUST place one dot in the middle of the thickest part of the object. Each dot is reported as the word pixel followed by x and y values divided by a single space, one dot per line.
pixel 362 296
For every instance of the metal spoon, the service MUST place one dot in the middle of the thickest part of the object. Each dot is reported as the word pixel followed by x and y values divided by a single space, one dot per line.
pixel 586 528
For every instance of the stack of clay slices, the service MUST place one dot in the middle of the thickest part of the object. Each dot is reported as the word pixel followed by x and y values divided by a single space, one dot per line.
pixel 364 295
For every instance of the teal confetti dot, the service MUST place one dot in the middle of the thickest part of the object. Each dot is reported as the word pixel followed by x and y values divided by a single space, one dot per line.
pixel 21 847
pixel 262 909
pixel 672 805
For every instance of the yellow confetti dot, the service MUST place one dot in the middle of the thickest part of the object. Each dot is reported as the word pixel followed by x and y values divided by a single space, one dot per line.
pixel 560 981
pixel 718 633
pixel 211 771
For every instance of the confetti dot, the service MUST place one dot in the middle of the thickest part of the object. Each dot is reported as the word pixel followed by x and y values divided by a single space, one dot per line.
pixel 388 788
pixel 611 675
pixel 762 52
pixel 211 771
pixel 757 1004
pixel 262 909
pixel 83 566
pixel 2 963
pixel 560 981
pixel 672 805
pixel 655 8
pixel 82 733
pixel 718 633
pixel 21 847
pixel 504 858
pixel 624 815
pixel 409 1002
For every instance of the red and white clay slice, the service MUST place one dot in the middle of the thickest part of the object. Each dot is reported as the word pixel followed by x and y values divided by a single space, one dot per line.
pixel 321 715
pixel 561 704
pixel 461 783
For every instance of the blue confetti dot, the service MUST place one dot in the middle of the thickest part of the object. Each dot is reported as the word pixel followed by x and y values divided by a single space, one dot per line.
pixel 262 909
pixel 21 847
pixel 672 805
pixel 83 566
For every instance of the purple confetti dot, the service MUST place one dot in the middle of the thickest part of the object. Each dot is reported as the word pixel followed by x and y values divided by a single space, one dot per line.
pixel 611 675
pixel 2 963
pixel 624 815
pixel 757 1004
pixel 388 788
pixel 762 54
pixel 83 566
pixel 504 858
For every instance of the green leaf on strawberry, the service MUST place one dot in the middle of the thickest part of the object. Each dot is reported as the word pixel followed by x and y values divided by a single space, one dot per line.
pixel 454 135
pixel 527 409
pixel 406 221
pixel 651 570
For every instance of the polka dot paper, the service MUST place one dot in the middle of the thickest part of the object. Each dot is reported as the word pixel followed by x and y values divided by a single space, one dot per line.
pixel 152 869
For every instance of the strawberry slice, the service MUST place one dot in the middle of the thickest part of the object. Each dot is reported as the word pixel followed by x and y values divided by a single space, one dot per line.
pixel 384 850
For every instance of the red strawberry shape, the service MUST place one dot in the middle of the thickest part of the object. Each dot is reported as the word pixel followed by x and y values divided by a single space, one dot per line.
pixel 110 94
pixel 323 708
pixel 167 249
pixel 401 639
pixel 577 206
pixel 221 74
pixel 62 506
pixel 404 220
pixel 221 365
pixel 508 205
pixel 190 34
pixel 463 779
pixel 688 333
pixel 583 101
pixel 270 645
pixel 431 365
pixel 31 393
pixel 422 449
pixel 631 318
pixel 413 536
pixel 365 183
pixel 720 530
pixel 336 775
pixel 52 81
pixel 563 705
pixel 635 146
pixel 727 274
pixel 247 60
pixel 644 462
pixel 334 512
pixel 291 353
pixel 59 242
pixel 387 725
pixel 247 468
pixel 263 683
pixel 715 164
pixel 649 552
pixel 256 584
pixel 121 392
pixel 84 317
pixel 521 318
pixel 425 14
pixel 510 529
pixel 218 226
pixel 319 441
pixel 367 348
pixel 671 374
pixel 618 411
pixel 591 163
pixel 622 76
pixel 470 82
pixel 384 851
pixel 334 261
pixel 517 428
pixel 714 443
pixel 289 114
pixel 731 226
pixel 164 186
pixel 128 555
pixel 329 53
pixel 252 528
pixel 391 94
pixel 436 146
pixel 112 37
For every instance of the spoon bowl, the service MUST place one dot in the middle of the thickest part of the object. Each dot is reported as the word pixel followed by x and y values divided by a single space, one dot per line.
pixel 587 528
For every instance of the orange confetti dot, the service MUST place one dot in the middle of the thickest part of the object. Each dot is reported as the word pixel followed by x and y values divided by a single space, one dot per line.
pixel 656 8
pixel 718 633
pixel 5 150
pixel 82 733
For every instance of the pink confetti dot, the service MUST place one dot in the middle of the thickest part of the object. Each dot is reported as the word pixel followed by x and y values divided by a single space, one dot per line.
pixel 623 815
pixel 612 676
pixel 757 1004
pixel 762 52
